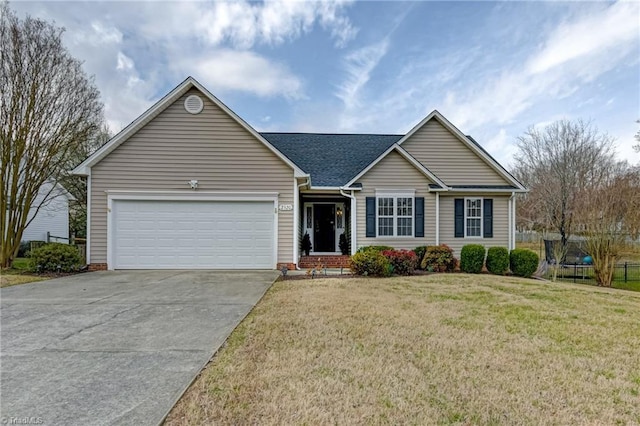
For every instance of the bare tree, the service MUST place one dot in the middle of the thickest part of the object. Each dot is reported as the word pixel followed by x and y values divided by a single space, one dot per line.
pixel 48 108
pixel 610 213
pixel 636 147
pixel 556 163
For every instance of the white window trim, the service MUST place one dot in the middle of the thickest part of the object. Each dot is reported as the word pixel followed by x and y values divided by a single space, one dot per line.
pixel 481 218
pixel 395 194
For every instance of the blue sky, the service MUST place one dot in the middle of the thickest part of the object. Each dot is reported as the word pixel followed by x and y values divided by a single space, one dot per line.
pixel 492 68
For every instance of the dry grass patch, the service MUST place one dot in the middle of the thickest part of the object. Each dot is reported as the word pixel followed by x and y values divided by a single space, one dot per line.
pixel 7 280
pixel 438 349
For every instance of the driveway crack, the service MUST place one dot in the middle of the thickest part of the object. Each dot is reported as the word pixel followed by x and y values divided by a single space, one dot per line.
pixel 88 327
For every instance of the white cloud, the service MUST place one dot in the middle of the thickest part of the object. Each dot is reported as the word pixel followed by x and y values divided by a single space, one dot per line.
pixel 502 146
pixel 243 24
pixel 358 66
pixel 245 71
pixel 614 28
pixel 124 62
pixel 557 71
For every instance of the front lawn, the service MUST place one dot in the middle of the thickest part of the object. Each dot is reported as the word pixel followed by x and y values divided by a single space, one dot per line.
pixel 466 349
pixel 18 274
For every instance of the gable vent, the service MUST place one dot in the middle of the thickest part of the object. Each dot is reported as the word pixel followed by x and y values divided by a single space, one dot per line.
pixel 193 104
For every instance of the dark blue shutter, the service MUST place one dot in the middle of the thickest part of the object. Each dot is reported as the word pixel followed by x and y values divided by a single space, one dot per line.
pixel 487 217
pixel 419 217
pixel 459 217
pixel 371 217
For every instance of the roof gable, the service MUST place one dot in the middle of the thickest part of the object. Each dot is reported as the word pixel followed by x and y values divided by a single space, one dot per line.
pixel 490 167
pixel 410 159
pixel 85 167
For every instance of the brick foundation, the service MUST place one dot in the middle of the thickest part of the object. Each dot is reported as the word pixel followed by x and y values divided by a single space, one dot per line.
pixel 97 267
pixel 329 261
pixel 290 266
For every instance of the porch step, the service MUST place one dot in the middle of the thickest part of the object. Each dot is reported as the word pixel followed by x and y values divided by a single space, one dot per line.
pixel 328 261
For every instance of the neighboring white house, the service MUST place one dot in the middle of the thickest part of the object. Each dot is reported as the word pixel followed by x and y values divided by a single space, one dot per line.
pixel 53 216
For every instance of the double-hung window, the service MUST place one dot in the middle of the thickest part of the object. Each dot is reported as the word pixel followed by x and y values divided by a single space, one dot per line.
pixel 395 215
pixel 473 217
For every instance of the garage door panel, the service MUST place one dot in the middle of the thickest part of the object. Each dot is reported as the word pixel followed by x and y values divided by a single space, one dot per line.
pixel 192 234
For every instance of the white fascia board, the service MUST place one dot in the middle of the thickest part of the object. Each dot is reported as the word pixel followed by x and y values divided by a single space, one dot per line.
pixel 418 165
pixel 415 163
pixel 298 172
pixel 191 195
pixel 463 138
pixel 370 166
pixel 488 190
pixel 161 105
pixel 133 127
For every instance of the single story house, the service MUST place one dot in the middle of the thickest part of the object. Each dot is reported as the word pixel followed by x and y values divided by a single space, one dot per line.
pixel 49 222
pixel 190 185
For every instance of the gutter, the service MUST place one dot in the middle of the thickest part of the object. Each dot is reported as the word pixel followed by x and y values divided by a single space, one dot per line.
pixel 512 221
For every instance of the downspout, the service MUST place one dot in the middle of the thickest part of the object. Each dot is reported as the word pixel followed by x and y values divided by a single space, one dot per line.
pixel 437 218
pixel 512 222
pixel 353 224
pixel 296 220
pixel 513 219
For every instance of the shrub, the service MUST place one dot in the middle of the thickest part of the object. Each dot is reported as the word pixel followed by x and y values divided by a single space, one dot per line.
pixel 372 263
pixel 305 244
pixel 523 262
pixel 472 258
pixel 23 251
pixel 404 262
pixel 439 259
pixel 420 251
pixel 49 257
pixel 374 248
pixel 343 244
pixel 498 260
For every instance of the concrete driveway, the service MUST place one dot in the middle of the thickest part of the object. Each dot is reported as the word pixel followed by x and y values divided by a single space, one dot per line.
pixel 114 347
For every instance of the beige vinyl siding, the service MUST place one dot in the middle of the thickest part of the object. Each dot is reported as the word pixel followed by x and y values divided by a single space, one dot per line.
pixel 176 147
pixel 500 222
pixel 394 172
pixel 448 158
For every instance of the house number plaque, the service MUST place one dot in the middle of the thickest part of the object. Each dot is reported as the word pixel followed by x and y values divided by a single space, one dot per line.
pixel 285 207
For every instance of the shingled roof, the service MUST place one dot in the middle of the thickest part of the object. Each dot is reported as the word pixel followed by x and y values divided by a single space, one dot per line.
pixel 331 159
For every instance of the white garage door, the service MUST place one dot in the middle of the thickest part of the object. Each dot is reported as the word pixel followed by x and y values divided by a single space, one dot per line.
pixel 192 234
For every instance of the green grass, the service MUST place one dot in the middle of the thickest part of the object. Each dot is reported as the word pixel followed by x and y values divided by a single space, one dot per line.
pixel 436 349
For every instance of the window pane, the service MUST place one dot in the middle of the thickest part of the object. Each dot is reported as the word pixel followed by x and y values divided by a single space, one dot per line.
pixel 474 207
pixel 473 227
pixel 385 206
pixel 405 226
pixel 385 226
pixel 405 206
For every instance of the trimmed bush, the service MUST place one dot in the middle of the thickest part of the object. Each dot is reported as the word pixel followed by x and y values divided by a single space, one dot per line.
pixel 498 260
pixel 343 244
pixel 420 251
pixel 523 262
pixel 371 263
pixel 472 258
pixel 23 251
pixel 305 244
pixel 439 259
pixel 374 248
pixel 50 257
pixel 404 262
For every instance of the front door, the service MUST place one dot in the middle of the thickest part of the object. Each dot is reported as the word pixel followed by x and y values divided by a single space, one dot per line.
pixel 324 235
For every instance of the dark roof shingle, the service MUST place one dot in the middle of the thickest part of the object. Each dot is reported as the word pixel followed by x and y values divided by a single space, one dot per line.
pixel 331 159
